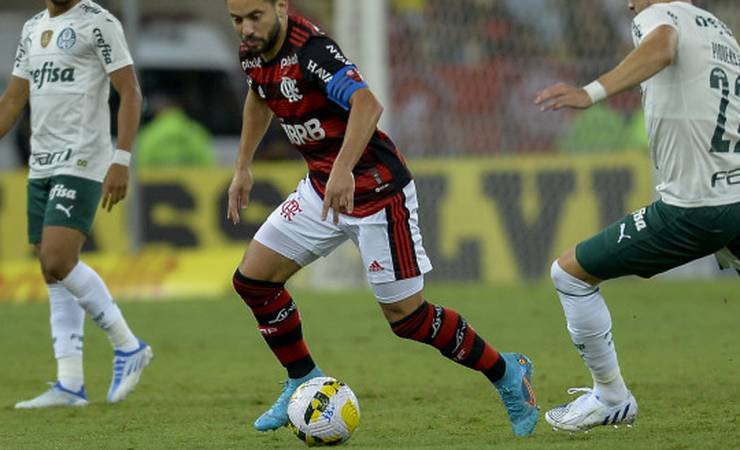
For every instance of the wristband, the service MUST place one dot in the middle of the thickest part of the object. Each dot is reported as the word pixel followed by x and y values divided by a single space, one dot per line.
pixel 122 157
pixel 596 91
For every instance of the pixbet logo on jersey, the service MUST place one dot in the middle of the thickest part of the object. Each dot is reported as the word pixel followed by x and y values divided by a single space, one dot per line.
pixel 59 191
pixel 50 74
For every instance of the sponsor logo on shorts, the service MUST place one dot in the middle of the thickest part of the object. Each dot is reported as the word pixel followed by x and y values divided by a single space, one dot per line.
pixel 66 210
pixel 59 191
pixel 639 218
pixel 290 209
pixel 622 234
pixel 375 267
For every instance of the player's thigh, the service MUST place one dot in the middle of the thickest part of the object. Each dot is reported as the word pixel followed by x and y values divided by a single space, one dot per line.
pixel 292 237
pixel 265 264
pixel 62 241
pixel 390 240
pixel 72 203
pixel 655 239
pixel 37 191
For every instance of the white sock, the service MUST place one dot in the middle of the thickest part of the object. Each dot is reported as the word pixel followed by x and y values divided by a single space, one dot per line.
pixel 90 290
pixel 69 372
pixel 589 325
pixel 67 333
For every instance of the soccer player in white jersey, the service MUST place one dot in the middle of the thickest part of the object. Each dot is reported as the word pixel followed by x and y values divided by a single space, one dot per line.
pixel 688 62
pixel 66 58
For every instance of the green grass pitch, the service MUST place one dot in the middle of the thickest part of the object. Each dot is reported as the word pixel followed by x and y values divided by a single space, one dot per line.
pixel 212 375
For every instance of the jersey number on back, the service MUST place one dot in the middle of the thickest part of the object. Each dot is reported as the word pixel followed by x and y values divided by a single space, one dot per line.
pixel 719 80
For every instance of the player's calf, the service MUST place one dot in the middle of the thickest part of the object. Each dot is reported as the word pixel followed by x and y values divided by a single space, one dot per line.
pixel 451 334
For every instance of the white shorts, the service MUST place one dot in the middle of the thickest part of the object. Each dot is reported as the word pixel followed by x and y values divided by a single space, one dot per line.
pixel 389 241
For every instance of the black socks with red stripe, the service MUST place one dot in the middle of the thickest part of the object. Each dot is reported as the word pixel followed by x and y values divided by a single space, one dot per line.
pixel 447 331
pixel 278 321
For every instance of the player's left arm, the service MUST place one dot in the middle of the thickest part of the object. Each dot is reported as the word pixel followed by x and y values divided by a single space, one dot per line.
pixel 124 81
pixel 324 63
pixel 363 120
pixel 656 52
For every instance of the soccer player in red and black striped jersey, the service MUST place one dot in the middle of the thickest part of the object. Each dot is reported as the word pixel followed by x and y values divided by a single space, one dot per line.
pixel 358 187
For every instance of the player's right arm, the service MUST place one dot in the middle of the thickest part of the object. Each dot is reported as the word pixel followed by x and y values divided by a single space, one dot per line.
pixel 12 102
pixel 656 52
pixel 656 35
pixel 256 118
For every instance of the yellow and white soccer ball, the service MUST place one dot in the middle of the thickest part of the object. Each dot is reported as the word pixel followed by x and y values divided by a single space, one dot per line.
pixel 323 411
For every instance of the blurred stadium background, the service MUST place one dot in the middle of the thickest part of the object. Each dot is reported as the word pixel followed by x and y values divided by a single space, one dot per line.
pixel 503 188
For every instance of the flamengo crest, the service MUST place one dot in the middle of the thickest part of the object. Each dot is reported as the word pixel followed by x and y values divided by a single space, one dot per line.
pixel 289 89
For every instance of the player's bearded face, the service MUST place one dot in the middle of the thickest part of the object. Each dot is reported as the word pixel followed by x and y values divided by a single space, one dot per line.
pixel 61 2
pixel 257 45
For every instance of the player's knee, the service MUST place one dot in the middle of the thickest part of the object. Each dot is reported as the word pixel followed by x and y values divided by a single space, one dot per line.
pixel 254 292
pixel 55 265
pixel 566 283
pixel 410 325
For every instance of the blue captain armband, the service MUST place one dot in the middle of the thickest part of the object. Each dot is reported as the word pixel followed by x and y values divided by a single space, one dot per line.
pixel 343 85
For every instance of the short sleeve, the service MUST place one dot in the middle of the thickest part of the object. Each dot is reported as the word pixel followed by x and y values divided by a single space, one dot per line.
pixel 651 18
pixel 20 65
pixel 109 43
pixel 323 63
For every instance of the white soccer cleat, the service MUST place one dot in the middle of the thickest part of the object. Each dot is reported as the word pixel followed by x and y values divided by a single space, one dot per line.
pixel 127 368
pixel 57 395
pixel 587 411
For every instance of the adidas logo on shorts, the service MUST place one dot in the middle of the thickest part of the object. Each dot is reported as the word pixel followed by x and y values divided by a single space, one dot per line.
pixel 375 267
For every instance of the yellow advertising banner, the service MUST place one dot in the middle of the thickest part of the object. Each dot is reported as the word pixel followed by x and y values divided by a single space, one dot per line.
pixel 483 220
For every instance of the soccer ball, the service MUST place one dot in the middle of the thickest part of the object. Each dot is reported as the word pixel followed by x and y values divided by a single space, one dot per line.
pixel 323 411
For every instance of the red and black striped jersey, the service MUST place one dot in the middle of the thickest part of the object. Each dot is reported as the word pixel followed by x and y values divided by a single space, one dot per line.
pixel 308 86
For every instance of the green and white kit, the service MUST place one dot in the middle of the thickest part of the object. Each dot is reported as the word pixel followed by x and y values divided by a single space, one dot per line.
pixel 67 61
pixel 692 113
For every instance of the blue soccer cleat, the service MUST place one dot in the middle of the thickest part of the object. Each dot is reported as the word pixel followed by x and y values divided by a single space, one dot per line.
pixel 57 395
pixel 127 368
pixel 517 394
pixel 277 415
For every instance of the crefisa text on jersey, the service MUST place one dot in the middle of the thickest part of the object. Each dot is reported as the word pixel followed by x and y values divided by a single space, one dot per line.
pixel 50 74
pixel 105 48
